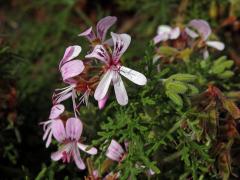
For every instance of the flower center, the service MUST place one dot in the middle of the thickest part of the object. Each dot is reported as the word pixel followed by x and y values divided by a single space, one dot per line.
pixel 96 42
pixel 66 157
pixel 115 66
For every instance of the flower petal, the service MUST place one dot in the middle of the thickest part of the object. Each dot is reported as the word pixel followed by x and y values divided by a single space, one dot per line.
pixel 103 25
pixel 49 140
pixel 46 132
pixel 103 86
pixel 100 53
pixel 158 38
pixel 58 130
pixel 74 128
pixel 102 102
pixel 121 43
pixel 83 147
pixel 191 33
pixel 134 76
pixel 59 154
pixel 166 32
pixel 115 151
pixel 202 27
pixel 115 145
pixel 216 44
pixel 45 124
pixel 164 29
pixel 77 158
pixel 109 42
pixel 56 111
pixel 96 174
pixel 175 33
pixel 120 91
pixel 89 34
pixel 72 69
pixel 70 53
pixel 62 98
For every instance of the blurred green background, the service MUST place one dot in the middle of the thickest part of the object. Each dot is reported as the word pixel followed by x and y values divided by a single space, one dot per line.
pixel 33 37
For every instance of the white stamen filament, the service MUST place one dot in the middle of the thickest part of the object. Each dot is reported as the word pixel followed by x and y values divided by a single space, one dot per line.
pixel 64 92
pixel 84 97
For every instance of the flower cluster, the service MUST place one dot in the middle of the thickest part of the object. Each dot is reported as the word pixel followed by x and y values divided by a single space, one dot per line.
pixel 83 79
pixel 196 29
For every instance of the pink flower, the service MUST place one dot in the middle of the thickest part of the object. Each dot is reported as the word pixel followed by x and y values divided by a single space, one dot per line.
pixel 203 29
pixel 114 69
pixel 165 33
pixel 69 68
pixel 102 27
pixel 49 125
pixel 69 137
pixel 115 151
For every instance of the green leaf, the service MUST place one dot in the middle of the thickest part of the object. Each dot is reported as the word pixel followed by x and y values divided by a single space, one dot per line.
pixel 177 87
pixel 185 54
pixel 220 60
pixel 175 98
pixel 226 75
pixel 155 169
pixel 167 51
pixel 148 101
pixel 183 77
pixel 193 89
pixel 217 69
pixel 185 156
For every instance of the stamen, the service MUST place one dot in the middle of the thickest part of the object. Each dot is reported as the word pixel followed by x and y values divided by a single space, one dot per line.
pixel 59 95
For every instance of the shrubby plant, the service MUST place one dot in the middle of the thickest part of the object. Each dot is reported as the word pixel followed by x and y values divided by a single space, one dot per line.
pixel 180 124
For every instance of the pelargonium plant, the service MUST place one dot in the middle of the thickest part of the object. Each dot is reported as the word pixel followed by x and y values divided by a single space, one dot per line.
pixel 180 94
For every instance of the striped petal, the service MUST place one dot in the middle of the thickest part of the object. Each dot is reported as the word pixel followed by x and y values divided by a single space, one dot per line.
pixel 103 25
pixel 58 130
pixel 73 129
pixel 202 27
pixel 72 69
pixel 115 151
pixel 89 34
pixel 56 111
pixel 70 53
pixel 100 53
pixel 121 43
